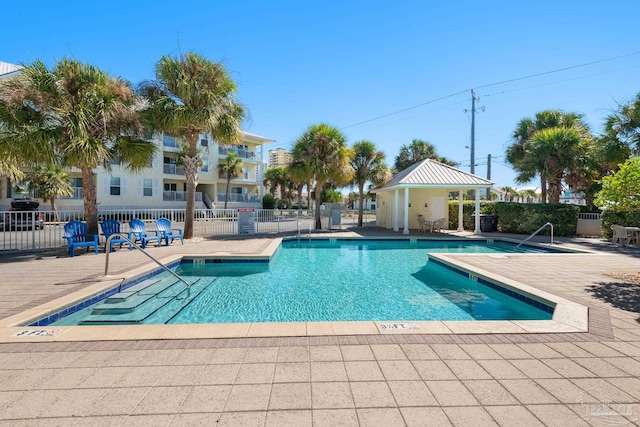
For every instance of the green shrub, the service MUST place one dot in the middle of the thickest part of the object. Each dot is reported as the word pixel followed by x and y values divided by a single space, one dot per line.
pixel 609 217
pixel 520 218
pixel 525 218
pixel 268 202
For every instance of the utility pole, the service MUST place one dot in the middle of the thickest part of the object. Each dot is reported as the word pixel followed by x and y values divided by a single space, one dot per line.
pixel 489 175
pixel 473 131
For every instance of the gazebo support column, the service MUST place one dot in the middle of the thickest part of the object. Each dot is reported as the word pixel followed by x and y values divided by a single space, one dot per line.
pixel 394 212
pixel 406 211
pixel 460 209
pixel 477 217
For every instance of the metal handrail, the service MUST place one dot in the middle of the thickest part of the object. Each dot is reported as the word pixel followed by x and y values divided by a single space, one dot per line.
pixel 536 232
pixel 122 236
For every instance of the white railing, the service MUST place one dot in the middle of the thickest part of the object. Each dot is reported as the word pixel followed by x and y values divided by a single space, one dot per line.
pixel 239 198
pixel 589 216
pixel 170 169
pixel 207 223
pixel 179 196
pixel 245 154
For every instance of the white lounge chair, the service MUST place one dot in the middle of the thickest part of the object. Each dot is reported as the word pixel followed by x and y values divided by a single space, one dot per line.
pixel 620 236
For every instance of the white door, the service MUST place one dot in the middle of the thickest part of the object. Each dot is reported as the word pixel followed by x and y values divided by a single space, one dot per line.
pixel 437 207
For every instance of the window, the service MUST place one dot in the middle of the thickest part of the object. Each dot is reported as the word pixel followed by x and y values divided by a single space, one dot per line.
pixel 76 182
pixel 169 141
pixel 170 186
pixel 245 172
pixel 115 162
pixel 204 142
pixel 147 188
pixel 114 188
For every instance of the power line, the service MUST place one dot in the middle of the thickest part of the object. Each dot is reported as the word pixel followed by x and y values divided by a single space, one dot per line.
pixel 492 84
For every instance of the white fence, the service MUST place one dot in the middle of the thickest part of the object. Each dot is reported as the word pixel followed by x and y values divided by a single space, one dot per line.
pixel 40 230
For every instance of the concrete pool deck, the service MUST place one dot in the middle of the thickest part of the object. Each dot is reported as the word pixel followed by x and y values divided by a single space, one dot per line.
pixel 357 379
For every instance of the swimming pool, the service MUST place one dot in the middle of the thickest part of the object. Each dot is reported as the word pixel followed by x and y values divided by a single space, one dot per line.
pixel 328 280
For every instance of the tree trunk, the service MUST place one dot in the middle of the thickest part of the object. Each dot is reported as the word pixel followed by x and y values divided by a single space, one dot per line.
pixel 543 189
pixel 308 195
pixel 54 209
pixel 317 205
pixel 226 195
pixel 554 191
pixel 191 167
pixel 360 203
pixel 89 200
pixel 300 187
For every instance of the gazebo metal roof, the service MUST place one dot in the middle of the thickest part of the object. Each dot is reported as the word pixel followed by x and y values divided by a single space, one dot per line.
pixel 432 174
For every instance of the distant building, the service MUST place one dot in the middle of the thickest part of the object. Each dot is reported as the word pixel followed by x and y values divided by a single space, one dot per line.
pixel 279 157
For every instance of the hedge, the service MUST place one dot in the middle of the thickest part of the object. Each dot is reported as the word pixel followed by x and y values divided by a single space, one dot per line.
pixel 520 218
pixel 627 219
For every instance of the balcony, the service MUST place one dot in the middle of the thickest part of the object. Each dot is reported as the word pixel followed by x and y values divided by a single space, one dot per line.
pixel 239 198
pixel 170 141
pixel 170 169
pixel 245 154
pixel 179 196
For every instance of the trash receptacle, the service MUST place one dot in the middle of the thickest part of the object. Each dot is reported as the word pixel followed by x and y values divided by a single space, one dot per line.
pixel 488 222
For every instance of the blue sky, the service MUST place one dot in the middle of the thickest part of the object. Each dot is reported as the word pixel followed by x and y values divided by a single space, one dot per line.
pixel 345 62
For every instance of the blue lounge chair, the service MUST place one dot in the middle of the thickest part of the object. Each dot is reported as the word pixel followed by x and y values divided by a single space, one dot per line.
pixel 109 227
pixel 167 233
pixel 76 234
pixel 138 232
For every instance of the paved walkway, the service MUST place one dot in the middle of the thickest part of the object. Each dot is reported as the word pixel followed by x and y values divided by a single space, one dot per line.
pixel 377 380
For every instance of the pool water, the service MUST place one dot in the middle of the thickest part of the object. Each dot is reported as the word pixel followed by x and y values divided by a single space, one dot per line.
pixel 340 281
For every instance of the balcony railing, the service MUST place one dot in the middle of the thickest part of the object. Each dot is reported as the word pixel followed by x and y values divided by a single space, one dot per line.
pixel 239 198
pixel 170 169
pixel 179 196
pixel 169 141
pixel 245 154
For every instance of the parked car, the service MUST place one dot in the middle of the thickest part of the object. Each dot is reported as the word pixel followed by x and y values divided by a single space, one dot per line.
pixel 23 214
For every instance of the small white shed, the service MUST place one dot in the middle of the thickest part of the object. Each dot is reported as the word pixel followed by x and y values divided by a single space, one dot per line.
pixel 423 189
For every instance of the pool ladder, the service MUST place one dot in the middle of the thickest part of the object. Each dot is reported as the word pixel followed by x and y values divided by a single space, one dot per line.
pixel 131 242
pixel 299 231
pixel 536 232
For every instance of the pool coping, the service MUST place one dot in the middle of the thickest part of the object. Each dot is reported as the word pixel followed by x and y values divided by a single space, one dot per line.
pixel 568 317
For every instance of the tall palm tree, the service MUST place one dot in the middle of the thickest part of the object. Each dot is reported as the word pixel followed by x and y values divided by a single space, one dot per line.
pixel 416 152
pixel 301 175
pixel 232 167
pixel 524 161
pixel 189 97
pixel 275 177
pixel 77 113
pixel 323 150
pixel 368 165
pixel 53 182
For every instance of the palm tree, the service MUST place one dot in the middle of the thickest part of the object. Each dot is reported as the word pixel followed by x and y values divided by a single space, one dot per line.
pixel 415 152
pixel 77 113
pixel 624 124
pixel 192 96
pixel 368 164
pixel 301 175
pixel 529 194
pixel 520 154
pixel 509 193
pixel 276 177
pixel 53 182
pixel 232 167
pixel 322 148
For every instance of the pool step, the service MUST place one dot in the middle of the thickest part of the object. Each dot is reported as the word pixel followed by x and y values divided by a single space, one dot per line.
pixel 130 301
pixel 175 295
pixel 130 291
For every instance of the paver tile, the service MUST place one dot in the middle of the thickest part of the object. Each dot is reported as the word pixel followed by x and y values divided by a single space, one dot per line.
pixel 539 350
pixel 256 373
pixel 290 396
pixel 242 419
pixel 419 351
pixel 388 417
pixel 603 390
pixel 600 367
pixel 179 375
pixel 290 372
pixel 228 355
pixel 599 349
pixel 261 355
pixel 450 351
pixel 388 352
pixel 328 371
pixel 331 396
pixel 480 351
pixel 162 400
pixel 300 418
pixel 372 394
pixel 535 368
pixel 118 401
pixel 510 351
pixel 398 370
pixel 501 369
pixel 219 374
pixel 490 392
pixel 363 371
pixel 293 354
pixel 325 353
pixel 564 390
pixel 528 392
pixel 471 416
pixel 433 370
pixel 627 364
pixel 335 417
pixel 356 352
pixel 467 370
pixel 568 349
pixel 420 417
pixel 195 420
pixel 630 385
pixel 557 415
pixel 568 368
pixel 208 398
pixel 508 416
pixel 411 393
pixel 451 393
pixel 248 397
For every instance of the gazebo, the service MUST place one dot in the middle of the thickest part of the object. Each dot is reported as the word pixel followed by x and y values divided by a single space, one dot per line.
pixel 423 190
